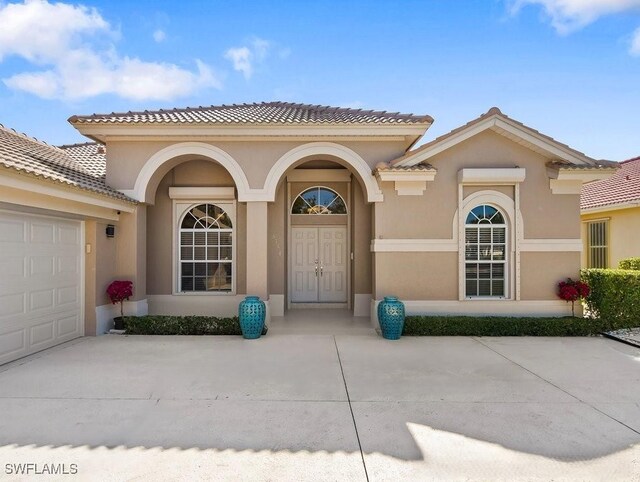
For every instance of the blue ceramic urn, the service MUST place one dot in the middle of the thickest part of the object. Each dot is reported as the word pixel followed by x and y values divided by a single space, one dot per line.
pixel 391 317
pixel 252 312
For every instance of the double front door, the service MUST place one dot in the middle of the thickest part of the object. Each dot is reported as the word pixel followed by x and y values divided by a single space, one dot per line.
pixel 319 264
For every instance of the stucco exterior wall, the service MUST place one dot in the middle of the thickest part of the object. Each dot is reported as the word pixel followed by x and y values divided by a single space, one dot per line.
pixel 277 251
pixel 624 234
pixel 106 263
pixel 125 159
pixel 431 215
pixel 417 276
pixel 541 272
pixel 361 242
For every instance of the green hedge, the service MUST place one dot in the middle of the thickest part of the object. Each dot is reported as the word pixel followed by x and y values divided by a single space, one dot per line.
pixel 182 325
pixel 501 326
pixel 614 297
pixel 630 263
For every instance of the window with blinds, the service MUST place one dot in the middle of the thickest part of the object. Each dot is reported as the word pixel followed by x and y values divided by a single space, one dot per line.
pixel 206 249
pixel 485 253
pixel 597 239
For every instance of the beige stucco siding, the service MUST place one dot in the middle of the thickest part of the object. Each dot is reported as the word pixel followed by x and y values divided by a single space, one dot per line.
pixel 361 242
pixel 125 159
pixel 277 250
pixel 106 263
pixel 623 237
pixel 541 272
pixel 417 276
pixel 431 216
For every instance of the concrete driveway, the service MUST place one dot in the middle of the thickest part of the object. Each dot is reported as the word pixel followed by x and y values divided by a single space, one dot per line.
pixel 314 407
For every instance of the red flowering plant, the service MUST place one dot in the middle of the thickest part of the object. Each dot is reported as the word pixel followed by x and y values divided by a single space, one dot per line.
pixel 573 291
pixel 119 291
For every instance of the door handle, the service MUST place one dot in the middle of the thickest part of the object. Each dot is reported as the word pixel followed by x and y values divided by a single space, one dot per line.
pixel 321 270
pixel 316 270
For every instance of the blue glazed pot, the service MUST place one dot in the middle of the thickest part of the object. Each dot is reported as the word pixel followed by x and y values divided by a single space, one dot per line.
pixel 391 317
pixel 252 312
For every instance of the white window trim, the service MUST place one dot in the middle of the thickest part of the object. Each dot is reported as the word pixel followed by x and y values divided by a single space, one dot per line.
pixel 179 209
pixel 507 206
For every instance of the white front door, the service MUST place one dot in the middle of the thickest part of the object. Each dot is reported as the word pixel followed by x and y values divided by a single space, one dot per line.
pixel 319 265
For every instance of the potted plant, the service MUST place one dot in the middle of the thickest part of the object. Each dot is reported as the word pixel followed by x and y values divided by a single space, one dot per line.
pixel 118 292
pixel 573 291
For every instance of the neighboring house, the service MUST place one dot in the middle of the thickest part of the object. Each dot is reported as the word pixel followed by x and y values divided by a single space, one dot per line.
pixel 303 205
pixel 610 212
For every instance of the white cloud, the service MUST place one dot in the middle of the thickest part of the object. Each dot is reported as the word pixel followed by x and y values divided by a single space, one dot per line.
pixel 569 15
pixel 241 58
pixel 73 47
pixel 159 35
pixel 244 59
pixel 635 43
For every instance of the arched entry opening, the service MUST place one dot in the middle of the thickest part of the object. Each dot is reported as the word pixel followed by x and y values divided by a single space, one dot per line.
pixel 196 237
pixel 320 229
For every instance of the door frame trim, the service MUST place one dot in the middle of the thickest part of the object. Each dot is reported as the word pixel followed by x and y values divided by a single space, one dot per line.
pixel 289 227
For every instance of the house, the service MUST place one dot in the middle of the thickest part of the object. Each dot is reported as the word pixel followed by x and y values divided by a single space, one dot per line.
pixel 610 213
pixel 303 205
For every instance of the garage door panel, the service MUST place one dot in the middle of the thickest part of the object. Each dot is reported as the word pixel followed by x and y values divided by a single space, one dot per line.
pixel 68 327
pixel 68 264
pixel 40 283
pixel 12 231
pixel 12 266
pixel 41 265
pixel 42 232
pixel 12 304
pixel 67 295
pixel 13 345
pixel 41 300
pixel 42 334
pixel 68 234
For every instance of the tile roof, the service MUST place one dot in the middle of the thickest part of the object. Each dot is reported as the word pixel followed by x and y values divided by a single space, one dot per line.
pixel 267 113
pixel 383 166
pixel 80 165
pixel 495 111
pixel 623 187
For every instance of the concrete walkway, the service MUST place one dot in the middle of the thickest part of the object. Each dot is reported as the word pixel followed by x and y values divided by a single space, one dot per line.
pixel 321 407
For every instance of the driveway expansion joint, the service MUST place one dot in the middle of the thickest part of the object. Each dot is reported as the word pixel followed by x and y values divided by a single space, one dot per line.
pixel 355 425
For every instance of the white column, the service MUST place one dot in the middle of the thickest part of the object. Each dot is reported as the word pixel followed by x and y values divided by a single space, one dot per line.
pixel 257 249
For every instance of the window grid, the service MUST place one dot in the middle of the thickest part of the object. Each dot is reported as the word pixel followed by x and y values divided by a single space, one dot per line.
pixel 485 253
pixel 206 250
pixel 598 248
pixel 319 200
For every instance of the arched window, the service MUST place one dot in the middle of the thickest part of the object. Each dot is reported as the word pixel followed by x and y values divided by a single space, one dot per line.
pixel 485 252
pixel 206 249
pixel 319 200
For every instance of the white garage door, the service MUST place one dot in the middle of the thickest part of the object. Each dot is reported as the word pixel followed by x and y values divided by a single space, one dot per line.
pixel 40 283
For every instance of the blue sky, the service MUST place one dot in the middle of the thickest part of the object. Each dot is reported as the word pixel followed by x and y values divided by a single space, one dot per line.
pixel 569 68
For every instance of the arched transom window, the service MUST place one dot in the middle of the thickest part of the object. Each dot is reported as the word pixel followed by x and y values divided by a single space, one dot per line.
pixel 485 252
pixel 319 200
pixel 206 249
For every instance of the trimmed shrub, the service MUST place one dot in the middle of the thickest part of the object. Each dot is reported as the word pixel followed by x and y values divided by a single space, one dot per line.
pixel 182 325
pixel 614 297
pixel 501 326
pixel 630 263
